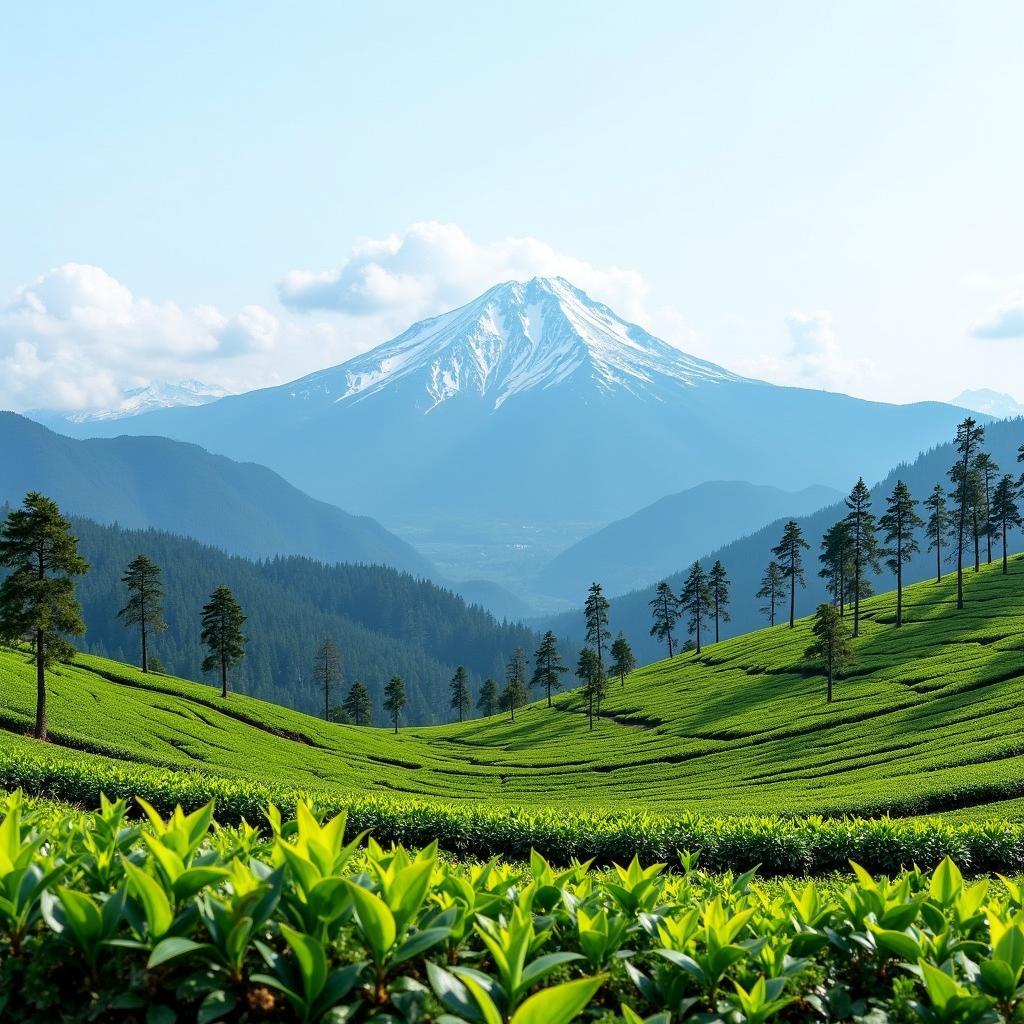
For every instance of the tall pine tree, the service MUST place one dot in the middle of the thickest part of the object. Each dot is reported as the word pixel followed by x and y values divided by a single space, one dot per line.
pixel 590 671
pixel 1005 513
pixel 595 613
pixel 516 693
pixel 358 706
pixel 37 598
pixel 985 468
pixel 718 583
pixel 695 602
pixel 623 659
pixel 144 607
pixel 831 643
pixel 937 526
pixel 222 634
pixel 789 552
pixel 327 672
pixel 665 609
pixel 864 553
pixel 835 563
pixel 487 702
pixel 900 524
pixel 395 699
pixel 548 665
pixel 459 690
pixel 969 436
pixel 773 583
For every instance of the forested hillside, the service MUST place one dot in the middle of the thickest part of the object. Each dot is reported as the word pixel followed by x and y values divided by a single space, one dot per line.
pixel 745 559
pixel 385 622
pixel 140 482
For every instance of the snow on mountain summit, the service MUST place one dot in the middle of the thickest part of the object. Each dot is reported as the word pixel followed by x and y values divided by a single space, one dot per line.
pixel 515 338
pixel 157 395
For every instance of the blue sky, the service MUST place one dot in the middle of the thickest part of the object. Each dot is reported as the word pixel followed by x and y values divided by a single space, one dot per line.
pixel 818 193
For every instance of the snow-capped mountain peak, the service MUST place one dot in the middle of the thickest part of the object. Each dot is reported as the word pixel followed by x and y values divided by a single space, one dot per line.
pixel 517 337
pixel 156 395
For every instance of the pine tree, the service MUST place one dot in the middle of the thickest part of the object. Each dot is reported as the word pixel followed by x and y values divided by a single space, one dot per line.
pixel 37 598
pixel 327 671
pixel 864 554
pixel 718 583
pixel 789 551
pixel 937 526
pixel 358 706
pixel 595 613
pixel 549 665
pixel 831 644
pixel 835 563
pixel 695 601
pixel 899 525
pixel 590 671
pixel 516 692
pixel 772 583
pixel 394 699
pixel 1005 512
pixel 623 659
pixel 144 607
pixel 969 436
pixel 487 702
pixel 665 608
pixel 985 469
pixel 459 688
pixel 222 634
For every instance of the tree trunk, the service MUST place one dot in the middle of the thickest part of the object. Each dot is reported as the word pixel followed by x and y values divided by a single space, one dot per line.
pixel 938 560
pixel 224 678
pixel 977 543
pixel 899 581
pixel 1005 569
pixel 716 618
pixel 988 525
pixel 792 594
pixel 142 625
pixel 40 731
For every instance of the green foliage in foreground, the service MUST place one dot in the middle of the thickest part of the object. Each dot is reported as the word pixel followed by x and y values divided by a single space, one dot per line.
pixel 779 846
pixel 183 919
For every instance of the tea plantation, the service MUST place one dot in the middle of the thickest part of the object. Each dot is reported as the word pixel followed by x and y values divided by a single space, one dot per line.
pixel 927 720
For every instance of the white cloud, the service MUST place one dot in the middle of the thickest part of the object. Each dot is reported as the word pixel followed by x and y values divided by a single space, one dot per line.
pixel 1005 321
pixel 76 337
pixel 814 359
pixel 433 267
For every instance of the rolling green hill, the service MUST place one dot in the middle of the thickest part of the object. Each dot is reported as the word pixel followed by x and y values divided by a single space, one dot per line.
pixel 927 720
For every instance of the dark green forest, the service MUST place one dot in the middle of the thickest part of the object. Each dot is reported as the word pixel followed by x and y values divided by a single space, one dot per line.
pixel 385 622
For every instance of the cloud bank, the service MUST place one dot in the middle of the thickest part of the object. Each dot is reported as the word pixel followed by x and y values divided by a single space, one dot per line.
pixel 76 337
pixel 433 267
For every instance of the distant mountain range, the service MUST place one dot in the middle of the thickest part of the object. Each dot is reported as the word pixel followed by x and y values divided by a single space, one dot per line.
pixel 746 557
pixel 990 403
pixel 539 405
pixel 143 482
pixel 671 533
pixel 157 395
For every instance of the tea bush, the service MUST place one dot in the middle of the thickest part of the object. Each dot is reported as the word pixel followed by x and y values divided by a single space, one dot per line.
pixel 182 918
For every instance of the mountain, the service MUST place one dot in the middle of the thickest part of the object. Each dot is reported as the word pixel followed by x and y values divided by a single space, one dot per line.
pixel 746 557
pixel 156 395
pixel 385 622
pixel 991 403
pixel 672 533
pixel 154 482
pixel 538 405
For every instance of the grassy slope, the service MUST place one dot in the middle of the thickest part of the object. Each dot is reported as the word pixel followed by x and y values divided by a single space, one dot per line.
pixel 929 718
